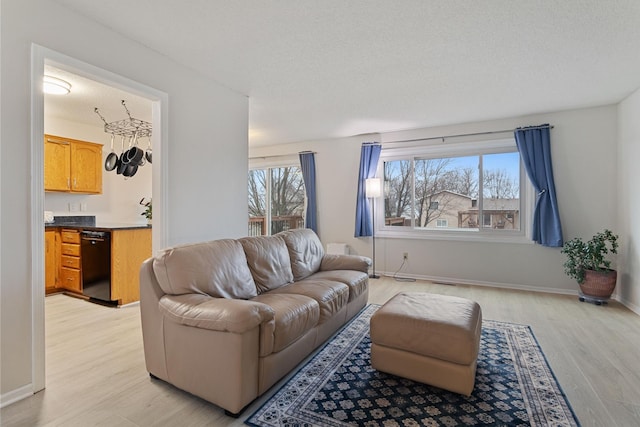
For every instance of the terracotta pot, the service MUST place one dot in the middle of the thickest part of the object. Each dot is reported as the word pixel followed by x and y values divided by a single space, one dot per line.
pixel 599 284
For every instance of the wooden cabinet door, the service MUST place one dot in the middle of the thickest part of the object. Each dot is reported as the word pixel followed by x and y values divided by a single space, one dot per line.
pixel 86 167
pixel 50 260
pixel 57 164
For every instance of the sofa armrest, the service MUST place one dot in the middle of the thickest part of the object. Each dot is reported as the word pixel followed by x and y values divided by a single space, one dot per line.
pixel 345 262
pixel 217 314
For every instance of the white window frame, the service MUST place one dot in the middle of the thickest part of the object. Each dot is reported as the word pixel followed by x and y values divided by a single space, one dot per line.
pixel 273 162
pixel 444 150
pixel 444 221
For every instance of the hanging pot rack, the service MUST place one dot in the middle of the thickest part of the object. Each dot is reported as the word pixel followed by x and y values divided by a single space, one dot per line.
pixel 127 127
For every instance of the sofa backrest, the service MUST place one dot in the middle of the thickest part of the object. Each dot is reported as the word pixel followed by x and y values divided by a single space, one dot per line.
pixel 217 268
pixel 268 260
pixel 305 251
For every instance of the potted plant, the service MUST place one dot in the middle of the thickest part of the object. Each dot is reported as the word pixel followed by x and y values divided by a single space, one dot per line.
pixel 148 212
pixel 587 263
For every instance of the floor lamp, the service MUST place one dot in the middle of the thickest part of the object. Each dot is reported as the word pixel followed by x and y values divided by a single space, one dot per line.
pixel 373 190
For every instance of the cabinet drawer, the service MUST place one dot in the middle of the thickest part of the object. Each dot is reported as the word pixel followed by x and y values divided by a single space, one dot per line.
pixel 70 261
pixel 70 279
pixel 70 236
pixel 70 249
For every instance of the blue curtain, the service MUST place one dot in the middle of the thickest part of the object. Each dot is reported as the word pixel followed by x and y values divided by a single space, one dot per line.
pixel 369 155
pixel 308 167
pixel 535 150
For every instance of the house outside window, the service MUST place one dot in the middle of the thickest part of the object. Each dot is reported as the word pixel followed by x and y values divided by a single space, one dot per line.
pixel 276 200
pixel 477 189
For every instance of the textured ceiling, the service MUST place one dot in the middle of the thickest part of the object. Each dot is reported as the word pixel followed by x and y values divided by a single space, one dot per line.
pixel 333 68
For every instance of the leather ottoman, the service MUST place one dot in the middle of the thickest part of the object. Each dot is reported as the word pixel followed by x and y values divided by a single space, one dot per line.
pixel 430 338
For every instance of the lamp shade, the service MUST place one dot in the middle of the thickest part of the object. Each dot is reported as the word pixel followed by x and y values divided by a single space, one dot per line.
pixel 373 188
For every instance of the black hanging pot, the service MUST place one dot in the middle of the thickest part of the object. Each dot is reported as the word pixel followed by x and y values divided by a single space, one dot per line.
pixel 111 162
pixel 123 158
pixel 134 154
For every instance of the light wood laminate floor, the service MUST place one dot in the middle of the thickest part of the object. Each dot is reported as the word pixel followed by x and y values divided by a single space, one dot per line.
pixel 96 374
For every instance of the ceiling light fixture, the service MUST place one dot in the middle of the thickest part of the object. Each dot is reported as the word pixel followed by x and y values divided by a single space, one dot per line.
pixel 55 86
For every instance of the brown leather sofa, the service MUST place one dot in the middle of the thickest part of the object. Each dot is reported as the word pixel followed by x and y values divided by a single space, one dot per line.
pixel 226 319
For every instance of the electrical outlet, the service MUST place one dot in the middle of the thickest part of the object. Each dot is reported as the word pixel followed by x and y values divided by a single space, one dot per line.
pixel 405 256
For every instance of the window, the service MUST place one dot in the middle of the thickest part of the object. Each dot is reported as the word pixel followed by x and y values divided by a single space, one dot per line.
pixel 486 220
pixel 276 200
pixel 463 190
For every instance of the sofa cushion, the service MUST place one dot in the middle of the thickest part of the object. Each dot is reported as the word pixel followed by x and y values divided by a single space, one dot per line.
pixel 268 260
pixel 345 262
pixel 217 268
pixel 216 314
pixel 331 296
pixel 295 315
pixel 305 251
pixel 357 281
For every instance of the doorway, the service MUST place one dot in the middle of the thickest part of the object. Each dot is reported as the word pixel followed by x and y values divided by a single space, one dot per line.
pixel 42 58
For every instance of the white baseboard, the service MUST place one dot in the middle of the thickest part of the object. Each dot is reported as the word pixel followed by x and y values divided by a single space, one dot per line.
pixel 455 281
pixel 630 306
pixel 15 395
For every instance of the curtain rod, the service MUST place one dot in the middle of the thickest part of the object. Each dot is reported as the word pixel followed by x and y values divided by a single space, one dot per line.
pixel 281 155
pixel 468 134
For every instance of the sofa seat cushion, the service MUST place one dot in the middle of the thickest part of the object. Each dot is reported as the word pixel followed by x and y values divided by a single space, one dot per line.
pixel 217 268
pixel 357 281
pixel 295 315
pixel 331 296
pixel 268 260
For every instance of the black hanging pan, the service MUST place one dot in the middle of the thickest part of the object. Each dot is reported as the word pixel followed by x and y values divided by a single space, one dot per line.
pixel 121 165
pixel 130 170
pixel 148 155
pixel 111 161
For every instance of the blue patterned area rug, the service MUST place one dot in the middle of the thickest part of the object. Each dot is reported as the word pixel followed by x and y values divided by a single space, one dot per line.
pixel 338 387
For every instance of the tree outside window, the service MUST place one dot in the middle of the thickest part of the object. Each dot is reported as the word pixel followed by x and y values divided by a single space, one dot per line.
pixel 465 192
pixel 276 200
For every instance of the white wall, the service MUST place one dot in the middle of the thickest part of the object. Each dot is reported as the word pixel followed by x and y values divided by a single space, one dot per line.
pixel 584 159
pixel 119 201
pixel 629 201
pixel 207 151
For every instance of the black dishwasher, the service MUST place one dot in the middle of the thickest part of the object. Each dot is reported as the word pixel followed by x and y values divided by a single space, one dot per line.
pixel 95 252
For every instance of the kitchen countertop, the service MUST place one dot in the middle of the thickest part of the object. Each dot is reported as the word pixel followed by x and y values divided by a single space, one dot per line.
pixel 99 226
pixel 90 223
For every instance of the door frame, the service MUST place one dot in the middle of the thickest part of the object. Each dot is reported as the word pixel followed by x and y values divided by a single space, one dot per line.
pixel 160 100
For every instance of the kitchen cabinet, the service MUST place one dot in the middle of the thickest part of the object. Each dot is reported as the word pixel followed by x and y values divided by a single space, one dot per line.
pixel 129 248
pixel 64 262
pixel 70 262
pixel 51 256
pixel 72 165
